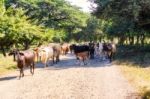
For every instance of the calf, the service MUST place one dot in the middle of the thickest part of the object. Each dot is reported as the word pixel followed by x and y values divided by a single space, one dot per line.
pixel 81 52
pixel 24 59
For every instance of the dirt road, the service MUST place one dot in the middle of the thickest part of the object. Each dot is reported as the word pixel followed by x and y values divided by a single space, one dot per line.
pixel 67 80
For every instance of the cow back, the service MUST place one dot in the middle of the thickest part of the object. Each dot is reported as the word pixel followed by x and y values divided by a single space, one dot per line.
pixel 29 56
pixel 79 49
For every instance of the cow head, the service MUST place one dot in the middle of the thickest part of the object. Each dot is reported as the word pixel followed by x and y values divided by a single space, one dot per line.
pixel 14 53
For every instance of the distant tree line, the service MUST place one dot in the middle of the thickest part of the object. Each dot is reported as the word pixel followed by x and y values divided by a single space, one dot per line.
pixel 127 20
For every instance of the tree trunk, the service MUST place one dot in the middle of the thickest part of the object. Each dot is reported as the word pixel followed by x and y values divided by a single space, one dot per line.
pixel 26 45
pixel 137 39
pixel 131 40
pixel 3 51
pixel 122 39
pixel 142 39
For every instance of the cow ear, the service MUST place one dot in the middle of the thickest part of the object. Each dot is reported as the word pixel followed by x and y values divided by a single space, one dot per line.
pixel 21 53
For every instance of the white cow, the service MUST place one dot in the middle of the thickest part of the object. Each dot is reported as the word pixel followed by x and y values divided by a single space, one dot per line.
pixel 99 51
pixel 46 54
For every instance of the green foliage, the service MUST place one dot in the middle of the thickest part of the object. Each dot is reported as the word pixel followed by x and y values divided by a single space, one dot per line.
pixel 93 30
pixel 128 18
pixel 15 28
pixel 27 22
pixel 136 55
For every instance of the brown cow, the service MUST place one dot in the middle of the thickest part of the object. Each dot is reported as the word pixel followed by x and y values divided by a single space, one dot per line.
pixel 83 56
pixel 65 48
pixel 24 59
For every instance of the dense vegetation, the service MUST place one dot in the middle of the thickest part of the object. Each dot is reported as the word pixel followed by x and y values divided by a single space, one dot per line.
pixel 127 20
pixel 27 22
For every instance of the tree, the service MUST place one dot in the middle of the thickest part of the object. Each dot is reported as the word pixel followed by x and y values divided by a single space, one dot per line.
pixel 53 14
pixel 93 30
pixel 127 16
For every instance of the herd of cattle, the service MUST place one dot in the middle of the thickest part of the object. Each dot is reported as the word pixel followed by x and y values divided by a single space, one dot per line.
pixel 52 52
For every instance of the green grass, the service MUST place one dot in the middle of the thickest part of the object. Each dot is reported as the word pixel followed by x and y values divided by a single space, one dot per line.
pixel 6 64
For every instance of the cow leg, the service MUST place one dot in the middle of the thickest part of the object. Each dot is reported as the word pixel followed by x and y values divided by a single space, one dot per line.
pixel 22 72
pixel 53 60
pixel 77 59
pixel 110 57
pixel 14 57
pixel 33 66
pixel 101 55
pixel 52 63
pixel 57 58
pixel 84 59
pixel 81 61
pixel 106 55
pixel 64 52
pixel 46 65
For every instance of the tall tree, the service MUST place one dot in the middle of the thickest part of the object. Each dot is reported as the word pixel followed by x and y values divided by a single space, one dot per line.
pixel 129 16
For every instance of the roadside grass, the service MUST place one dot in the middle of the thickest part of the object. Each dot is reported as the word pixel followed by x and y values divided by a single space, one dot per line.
pixel 134 63
pixel 139 78
pixel 6 64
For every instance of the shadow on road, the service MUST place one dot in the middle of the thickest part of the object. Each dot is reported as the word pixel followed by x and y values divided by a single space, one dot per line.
pixel 8 78
pixel 69 61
